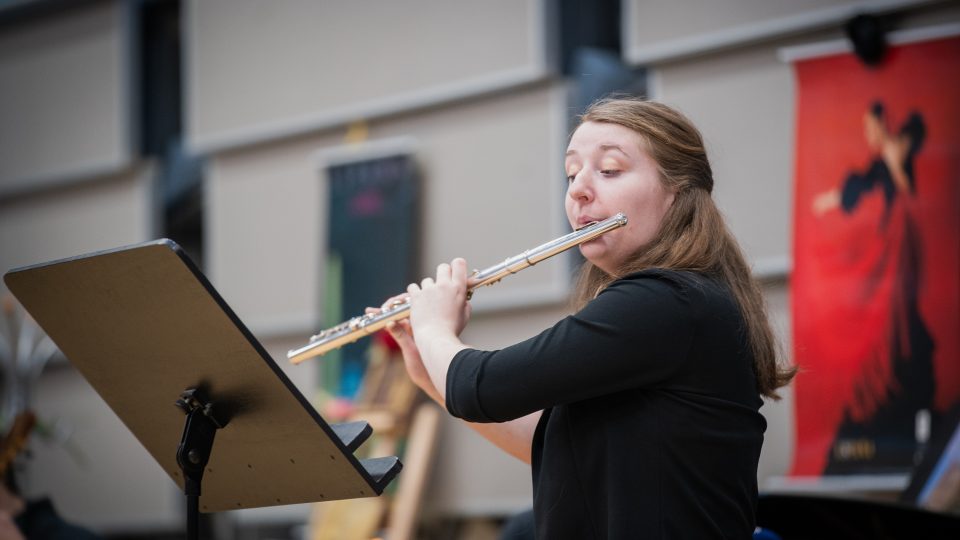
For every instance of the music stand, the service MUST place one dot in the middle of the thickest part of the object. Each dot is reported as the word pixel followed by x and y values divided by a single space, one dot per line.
pixel 148 331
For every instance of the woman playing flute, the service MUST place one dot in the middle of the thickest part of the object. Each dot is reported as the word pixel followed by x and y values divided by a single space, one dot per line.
pixel 639 413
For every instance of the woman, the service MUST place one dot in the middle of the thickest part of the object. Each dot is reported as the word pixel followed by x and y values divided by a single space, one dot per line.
pixel 895 386
pixel 639 413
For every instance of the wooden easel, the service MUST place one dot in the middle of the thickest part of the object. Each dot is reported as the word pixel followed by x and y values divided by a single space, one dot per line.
pixel 400 417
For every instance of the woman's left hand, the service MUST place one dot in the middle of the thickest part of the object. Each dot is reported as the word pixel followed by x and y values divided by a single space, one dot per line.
pixel 438 307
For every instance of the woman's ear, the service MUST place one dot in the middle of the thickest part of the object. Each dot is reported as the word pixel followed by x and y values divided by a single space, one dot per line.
pixel 671 195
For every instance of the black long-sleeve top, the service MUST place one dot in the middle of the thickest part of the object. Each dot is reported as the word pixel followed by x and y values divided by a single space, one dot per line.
pixel 650 424
pixel 856 185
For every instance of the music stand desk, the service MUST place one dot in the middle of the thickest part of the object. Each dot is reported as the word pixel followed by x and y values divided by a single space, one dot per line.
pixel 142 324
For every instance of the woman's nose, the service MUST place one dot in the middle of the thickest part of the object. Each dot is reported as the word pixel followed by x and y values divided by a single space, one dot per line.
pixel 579 188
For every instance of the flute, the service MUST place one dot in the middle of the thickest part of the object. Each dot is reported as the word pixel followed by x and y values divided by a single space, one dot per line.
pixel 358 327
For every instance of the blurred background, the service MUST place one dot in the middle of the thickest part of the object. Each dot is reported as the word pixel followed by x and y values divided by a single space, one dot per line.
pixel 228 125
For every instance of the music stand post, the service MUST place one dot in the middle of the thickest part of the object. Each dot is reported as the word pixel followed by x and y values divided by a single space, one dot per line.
pixel 199 428
pixel 143 325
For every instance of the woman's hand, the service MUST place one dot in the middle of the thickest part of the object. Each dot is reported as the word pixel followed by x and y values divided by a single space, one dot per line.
pixel 438 307
pixel 402 333
pixel 438 313
pixel 825 202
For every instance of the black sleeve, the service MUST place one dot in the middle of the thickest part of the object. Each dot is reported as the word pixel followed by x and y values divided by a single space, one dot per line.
pixel 635 334
pixel 856 185
pixel 853 188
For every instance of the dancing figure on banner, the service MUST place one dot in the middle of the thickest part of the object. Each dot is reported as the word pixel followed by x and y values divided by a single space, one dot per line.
pixel 892 396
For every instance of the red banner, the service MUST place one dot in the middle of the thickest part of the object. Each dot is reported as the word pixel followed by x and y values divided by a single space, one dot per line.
pixel 876 281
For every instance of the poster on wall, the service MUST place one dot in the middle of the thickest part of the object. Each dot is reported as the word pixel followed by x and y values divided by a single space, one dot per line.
pixel 876 281
pixel 371 252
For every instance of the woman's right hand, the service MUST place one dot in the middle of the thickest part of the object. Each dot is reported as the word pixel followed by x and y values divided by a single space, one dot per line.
pixel 402 333
pixel 825 202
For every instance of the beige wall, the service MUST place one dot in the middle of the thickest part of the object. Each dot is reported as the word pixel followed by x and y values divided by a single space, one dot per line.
pixel 258 70
pixel 66 107
pixel 88 216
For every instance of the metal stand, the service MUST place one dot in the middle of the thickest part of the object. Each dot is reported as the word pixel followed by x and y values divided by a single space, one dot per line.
pixel 193 453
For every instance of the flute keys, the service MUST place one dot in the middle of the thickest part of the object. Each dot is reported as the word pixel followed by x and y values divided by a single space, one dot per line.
pixel 355 328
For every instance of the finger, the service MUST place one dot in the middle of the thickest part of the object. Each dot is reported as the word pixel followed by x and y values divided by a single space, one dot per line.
pixel 443 272
pixel 404 326
pixel 399 328
pixel 471 276
pixel 372 310
pixel 396 301
pixel 426 282
pixel 458 272
pixel 413 288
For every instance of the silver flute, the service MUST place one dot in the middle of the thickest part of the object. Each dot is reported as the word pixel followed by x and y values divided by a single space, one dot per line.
pixel 358 327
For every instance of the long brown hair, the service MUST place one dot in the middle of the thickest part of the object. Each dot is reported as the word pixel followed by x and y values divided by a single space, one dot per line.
pixel 693 235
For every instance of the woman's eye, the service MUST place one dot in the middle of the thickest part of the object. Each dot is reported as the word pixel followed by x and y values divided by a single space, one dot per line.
pixel 609 172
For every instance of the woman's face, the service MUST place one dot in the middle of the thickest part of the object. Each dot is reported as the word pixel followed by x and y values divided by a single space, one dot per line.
pixel 874 131
pixel 609 171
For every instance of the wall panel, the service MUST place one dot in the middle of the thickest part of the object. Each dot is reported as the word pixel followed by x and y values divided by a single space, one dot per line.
pixel 258 70
pixel 66 107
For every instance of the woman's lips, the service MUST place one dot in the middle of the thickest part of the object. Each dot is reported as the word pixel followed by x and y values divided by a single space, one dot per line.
pixel 585 221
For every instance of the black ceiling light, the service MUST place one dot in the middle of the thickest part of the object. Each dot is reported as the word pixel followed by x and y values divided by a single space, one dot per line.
pixel 867 34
